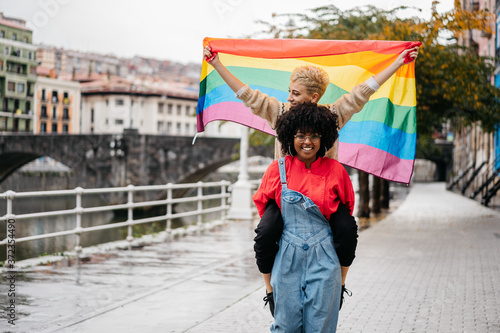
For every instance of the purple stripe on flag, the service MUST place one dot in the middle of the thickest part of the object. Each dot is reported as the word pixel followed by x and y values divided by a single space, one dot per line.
pixel 376 162
pixel 235 112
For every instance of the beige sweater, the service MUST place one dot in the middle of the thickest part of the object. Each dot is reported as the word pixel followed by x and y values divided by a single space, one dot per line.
pixel 269 108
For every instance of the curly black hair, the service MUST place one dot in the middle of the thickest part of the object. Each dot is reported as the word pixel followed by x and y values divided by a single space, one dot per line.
pixel 307 118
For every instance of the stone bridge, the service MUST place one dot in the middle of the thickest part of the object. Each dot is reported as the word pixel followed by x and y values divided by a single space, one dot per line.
pixel 131 158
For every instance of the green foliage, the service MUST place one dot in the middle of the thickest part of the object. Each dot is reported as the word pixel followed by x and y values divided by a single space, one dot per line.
pixel 453 83
pixel 258 138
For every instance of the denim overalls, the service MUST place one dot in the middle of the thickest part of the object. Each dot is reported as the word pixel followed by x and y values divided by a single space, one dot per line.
pixel 306 276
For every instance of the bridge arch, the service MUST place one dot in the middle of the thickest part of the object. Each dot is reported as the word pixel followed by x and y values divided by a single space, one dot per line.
pixel 12 161
pixel 107 160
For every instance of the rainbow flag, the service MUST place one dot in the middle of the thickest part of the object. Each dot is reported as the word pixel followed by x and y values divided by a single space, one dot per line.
pixel 381 139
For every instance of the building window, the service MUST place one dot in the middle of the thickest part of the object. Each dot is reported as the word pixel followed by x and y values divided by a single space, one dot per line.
pixel 54 128
pixel 188 110
pixel 11 86
pixel 107 102
pixel 43 94
pixel 55 99
pixel 119 102
pixel 25 39
pixel 43 127
pixel 29 90
pixel 160 108
pixel 170 107
pixel 54 112
pixel 30 55
pixel 65 114
pixel 179 109
pixel 65 98
pixel 28 107
pixel 178 128
pixel 92 116
pixel 169 127
pixel 160 126
pixel 27 125
pixel 43 113
pixel 20 87
pixel 2 34
pixel 6 50
pixel 65 128
pixel 14 36
pixel 118 121
pixel 187 128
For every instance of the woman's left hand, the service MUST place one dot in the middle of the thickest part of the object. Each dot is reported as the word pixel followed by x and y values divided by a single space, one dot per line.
pixel 408 54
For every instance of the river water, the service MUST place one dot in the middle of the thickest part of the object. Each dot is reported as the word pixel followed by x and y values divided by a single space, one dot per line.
pixel 61 244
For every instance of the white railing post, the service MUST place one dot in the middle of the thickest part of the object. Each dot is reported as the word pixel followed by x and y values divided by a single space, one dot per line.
pixel 130 215
pixel 169 212
pixel 79 212
pixel 200 204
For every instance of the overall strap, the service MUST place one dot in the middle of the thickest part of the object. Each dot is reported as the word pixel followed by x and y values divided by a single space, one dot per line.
pixel 281 164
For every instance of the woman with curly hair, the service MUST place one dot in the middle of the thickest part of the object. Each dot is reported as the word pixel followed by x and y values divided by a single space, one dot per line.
pixel 308 188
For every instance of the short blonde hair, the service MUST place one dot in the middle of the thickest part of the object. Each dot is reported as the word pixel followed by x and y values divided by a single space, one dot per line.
pixel 315 79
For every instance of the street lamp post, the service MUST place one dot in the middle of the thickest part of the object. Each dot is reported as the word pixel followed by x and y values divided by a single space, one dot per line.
pixel 242 189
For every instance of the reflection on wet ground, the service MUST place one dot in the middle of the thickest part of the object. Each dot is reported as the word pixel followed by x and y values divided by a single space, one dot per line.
pixel 63 293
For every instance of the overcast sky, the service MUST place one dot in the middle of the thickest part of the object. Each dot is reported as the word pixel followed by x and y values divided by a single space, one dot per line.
pixel 163 29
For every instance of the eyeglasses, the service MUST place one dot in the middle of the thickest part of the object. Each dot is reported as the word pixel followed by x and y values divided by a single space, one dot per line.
pixel 301 138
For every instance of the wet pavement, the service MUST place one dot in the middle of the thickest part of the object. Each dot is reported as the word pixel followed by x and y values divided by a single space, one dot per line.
pixel 430 266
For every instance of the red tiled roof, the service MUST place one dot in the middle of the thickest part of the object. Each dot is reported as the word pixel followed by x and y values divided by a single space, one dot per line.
pixel 42 71
pixel 120 85
pixel 12 24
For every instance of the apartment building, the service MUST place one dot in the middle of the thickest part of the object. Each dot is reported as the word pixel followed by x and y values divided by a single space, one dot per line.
pixel 58 106
pixel 71 63
pixel 17 75
pixel 476 154
pixel 68 62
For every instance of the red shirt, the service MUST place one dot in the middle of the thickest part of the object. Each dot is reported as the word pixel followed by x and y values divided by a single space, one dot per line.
pixel 327 183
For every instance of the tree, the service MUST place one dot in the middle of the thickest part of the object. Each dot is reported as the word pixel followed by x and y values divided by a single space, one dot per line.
pixel 453 83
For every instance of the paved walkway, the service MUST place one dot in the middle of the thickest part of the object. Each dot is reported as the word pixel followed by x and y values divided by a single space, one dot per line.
pixel 430 266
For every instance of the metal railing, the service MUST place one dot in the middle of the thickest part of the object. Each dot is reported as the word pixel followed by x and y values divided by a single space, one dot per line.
pixel 79 210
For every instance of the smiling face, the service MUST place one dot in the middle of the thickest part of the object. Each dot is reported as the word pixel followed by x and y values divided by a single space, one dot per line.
pixel 307 150
pixel 297 94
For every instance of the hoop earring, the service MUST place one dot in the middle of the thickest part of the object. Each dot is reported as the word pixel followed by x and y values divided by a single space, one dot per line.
pixel 290 151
